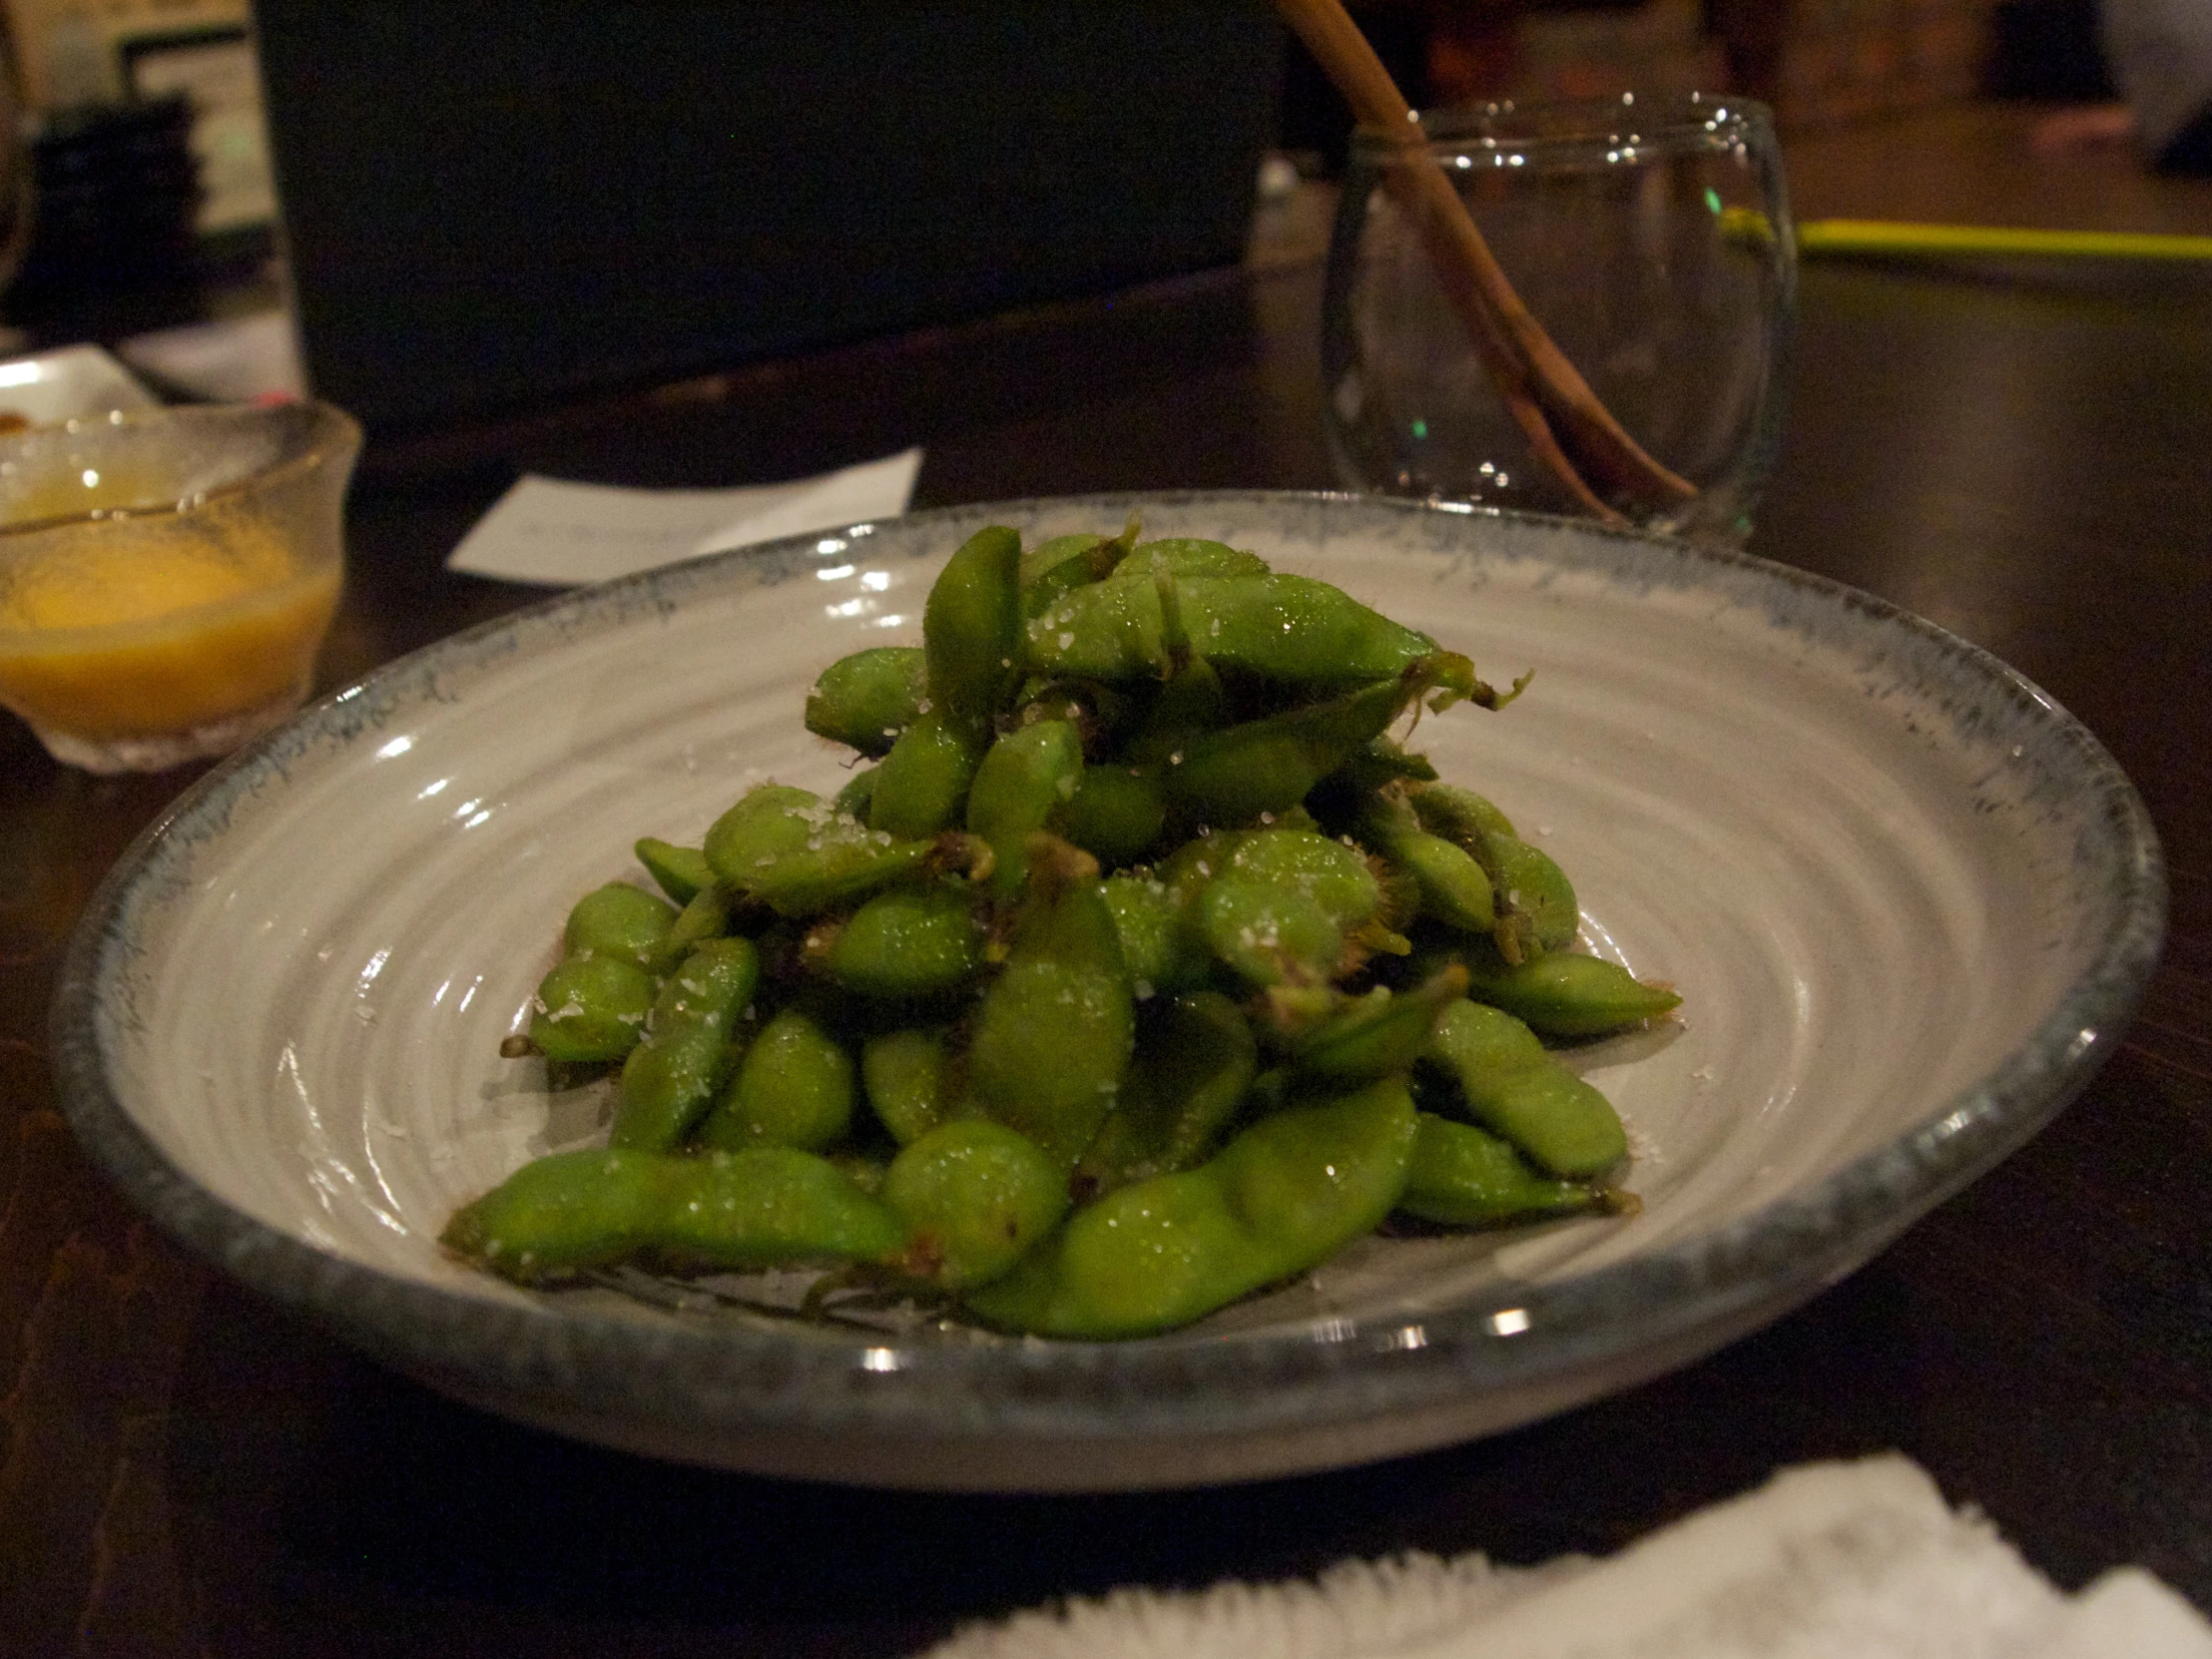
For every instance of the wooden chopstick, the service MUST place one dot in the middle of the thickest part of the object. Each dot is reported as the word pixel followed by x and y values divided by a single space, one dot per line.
pixel 1553 405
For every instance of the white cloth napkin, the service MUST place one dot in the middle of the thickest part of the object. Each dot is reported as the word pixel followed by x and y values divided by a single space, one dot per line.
pixel 1858 1561
pixel 560 533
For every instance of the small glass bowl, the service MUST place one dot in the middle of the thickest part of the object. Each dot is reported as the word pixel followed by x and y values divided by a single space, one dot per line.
pixel 167 577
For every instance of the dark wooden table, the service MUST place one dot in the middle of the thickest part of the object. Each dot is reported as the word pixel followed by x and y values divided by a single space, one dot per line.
pixel 2019 455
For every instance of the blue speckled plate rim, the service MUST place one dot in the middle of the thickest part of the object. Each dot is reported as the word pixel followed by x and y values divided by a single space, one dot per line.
pixel 751 1380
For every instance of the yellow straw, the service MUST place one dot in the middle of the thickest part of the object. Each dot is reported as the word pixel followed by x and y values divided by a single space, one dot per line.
pixel 1878 236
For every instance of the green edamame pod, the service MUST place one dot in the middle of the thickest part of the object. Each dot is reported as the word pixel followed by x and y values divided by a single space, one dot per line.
pixel 1282 1197
pixel 910 941
pixel 766 822
pixel 1455 887
pixel 855 798
pixel 975 1197
pixel 1565 994
pixel 1238 773
pixel 1268 934
pixel 671 1077
pixel 793 1087
pixel 1457 815
pixel 591 1009
pixel 1188 556
pixel 679 872
pixel 619 920
pixel 1286 628
pixel 798 854
pixel 1382 762
pixel 972 626
pixel 1195 1059
pixel 707 917
pixel 593 1208
pixel 848 864
pixel 867 699
pixel 1028 775
pixel 1115 814
pixel 907 1076
pixel 1052 567
pixel 1054 1030
pixel 1377 1034
pixel 1462 1176
pixel 1333 876
pixel 922 785
pixel 1513 1086
pixel 1158 945
pixel 1532 892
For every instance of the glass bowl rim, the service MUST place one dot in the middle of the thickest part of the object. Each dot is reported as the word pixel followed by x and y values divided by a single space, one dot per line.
pixel 328 434
pixel 1677 119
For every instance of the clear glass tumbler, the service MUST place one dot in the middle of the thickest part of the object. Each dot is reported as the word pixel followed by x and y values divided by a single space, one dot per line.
pixel 166 578
pixel 1651 239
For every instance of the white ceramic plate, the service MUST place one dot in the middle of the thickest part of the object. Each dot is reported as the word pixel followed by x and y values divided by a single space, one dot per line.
pixel 1907 900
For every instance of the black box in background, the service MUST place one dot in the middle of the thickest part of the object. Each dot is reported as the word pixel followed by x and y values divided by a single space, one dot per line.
pixel 493 204
pixel 2047 51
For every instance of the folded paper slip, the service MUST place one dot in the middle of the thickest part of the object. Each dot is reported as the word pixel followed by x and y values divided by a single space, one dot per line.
pixel 1857 1560
pixel 561 533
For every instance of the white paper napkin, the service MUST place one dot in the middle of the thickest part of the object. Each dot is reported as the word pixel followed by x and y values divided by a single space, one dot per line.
pixel 1831 1562
pixel 560 533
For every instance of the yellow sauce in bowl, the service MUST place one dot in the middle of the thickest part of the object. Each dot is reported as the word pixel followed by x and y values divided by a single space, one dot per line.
pixel 151 625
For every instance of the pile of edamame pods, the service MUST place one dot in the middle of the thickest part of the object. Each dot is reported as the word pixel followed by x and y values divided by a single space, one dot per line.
pixel 1141 969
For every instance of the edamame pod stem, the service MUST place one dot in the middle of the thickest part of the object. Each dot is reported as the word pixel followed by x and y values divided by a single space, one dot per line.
pixel 1514 1088
pixel 1462 1176
pixel 670 1078
pixel 1280 1198
pixel 1054 1030
pixel 866 698
pixel 593 1208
